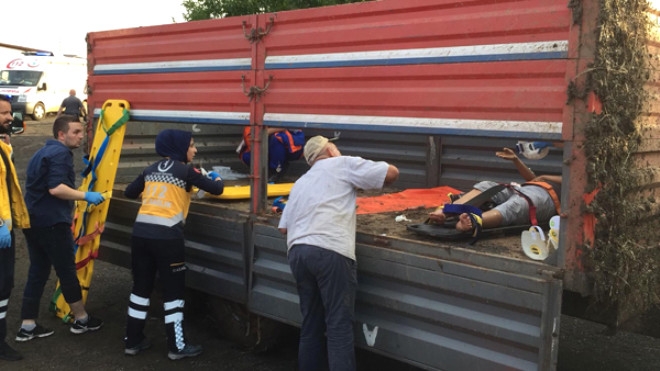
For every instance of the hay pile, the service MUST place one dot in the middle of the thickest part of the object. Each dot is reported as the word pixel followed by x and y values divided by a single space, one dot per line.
pixel 624 260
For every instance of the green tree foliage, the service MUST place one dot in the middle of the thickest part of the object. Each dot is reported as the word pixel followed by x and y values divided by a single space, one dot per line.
pixel 207 9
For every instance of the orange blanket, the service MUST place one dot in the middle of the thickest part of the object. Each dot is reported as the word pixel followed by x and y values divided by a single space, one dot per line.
pixel 408 199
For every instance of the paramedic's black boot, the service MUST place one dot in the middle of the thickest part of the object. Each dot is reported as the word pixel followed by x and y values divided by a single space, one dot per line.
pixel 187 351
pixel 176 342
pixel 135 349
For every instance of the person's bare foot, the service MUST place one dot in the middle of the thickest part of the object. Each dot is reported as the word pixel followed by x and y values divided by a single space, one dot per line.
pixel 464 223
pixel 437 216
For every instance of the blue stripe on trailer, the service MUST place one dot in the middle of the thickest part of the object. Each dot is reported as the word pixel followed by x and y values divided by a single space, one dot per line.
pixel 461 54
pixel 195 117
pixel 238 64
pixel 411 125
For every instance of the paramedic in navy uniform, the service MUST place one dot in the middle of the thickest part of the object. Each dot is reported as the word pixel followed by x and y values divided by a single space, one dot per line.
pixel 157 243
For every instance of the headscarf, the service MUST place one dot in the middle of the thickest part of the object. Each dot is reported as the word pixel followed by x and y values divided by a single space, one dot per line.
pixel 174 144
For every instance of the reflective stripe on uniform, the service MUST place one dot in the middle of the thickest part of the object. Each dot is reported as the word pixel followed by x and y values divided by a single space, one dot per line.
pixel 139 300
pixel 174 304
pixel 159 220
pixel 138 314
pixel 174 317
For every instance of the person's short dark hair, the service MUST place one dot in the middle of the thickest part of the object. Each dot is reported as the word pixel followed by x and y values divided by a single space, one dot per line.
pixel 5 98
pixel 62 124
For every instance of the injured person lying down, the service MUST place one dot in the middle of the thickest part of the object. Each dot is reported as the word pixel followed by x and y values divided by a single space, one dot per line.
pixel 533 202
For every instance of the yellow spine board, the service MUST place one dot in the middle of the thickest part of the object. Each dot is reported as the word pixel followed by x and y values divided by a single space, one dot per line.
pixel 243 192
pixel 94 220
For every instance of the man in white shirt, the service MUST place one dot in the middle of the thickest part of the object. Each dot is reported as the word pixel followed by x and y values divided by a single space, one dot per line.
pixel 319 221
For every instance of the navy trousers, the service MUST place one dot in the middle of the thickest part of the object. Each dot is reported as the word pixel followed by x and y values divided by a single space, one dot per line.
pixel 326 282
pixel 165 259
pixel 50 246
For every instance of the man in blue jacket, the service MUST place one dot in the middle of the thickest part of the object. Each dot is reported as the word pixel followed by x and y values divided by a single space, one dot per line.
pixel 50 192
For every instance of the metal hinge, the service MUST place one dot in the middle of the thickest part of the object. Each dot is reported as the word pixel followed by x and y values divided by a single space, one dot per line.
pixel 255 35
pixel 255 92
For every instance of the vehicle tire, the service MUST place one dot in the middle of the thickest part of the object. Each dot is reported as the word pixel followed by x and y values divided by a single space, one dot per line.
pixel 39 112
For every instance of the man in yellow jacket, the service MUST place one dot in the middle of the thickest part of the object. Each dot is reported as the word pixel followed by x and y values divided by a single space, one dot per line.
pixel 13 214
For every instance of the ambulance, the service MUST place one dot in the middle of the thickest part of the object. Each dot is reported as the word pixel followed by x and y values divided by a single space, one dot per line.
pixel 37 82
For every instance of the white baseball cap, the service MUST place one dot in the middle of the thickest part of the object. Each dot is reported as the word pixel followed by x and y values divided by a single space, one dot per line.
pixel 314 147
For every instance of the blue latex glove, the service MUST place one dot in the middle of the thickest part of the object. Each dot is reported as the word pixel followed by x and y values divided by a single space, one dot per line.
pixel 279 204
pixel 212 175
pixel 5 237
pixel 94 197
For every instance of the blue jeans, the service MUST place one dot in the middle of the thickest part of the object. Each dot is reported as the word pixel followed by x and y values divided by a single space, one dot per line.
pixel 326 283
pixel 49 246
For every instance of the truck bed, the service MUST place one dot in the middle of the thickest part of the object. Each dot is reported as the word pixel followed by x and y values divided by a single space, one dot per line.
pixel 384 224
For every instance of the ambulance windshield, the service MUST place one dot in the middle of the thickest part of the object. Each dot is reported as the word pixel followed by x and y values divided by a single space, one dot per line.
pixel 20 78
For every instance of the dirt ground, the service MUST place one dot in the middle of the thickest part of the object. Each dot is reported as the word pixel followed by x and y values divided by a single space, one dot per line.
pixel 583 345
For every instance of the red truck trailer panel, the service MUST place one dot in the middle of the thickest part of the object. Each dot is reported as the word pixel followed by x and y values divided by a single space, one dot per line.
pixel 483 68
pixel 423 67
pixel 187 72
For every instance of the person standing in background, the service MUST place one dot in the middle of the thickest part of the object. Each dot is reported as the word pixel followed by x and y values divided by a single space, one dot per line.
pixel 13 214
pixel 319 222
pixel 73 106
pixel 50 192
